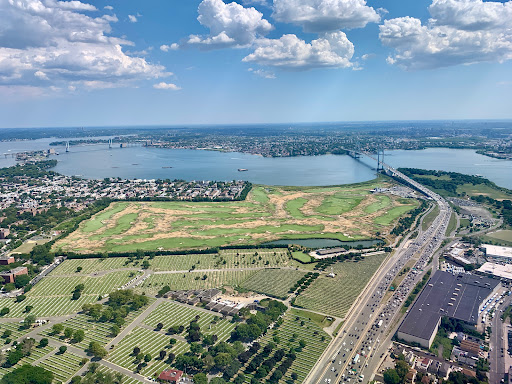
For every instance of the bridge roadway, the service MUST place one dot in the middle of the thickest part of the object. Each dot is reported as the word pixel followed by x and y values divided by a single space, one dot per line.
pixel 361 335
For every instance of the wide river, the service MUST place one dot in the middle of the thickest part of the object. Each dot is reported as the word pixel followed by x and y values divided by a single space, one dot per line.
pixel 96 161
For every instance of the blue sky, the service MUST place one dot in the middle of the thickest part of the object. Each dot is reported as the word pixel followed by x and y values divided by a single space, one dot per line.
pixel 113 62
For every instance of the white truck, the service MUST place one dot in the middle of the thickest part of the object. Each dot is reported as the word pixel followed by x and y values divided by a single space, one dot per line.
pixel 356 359
pixel 379 324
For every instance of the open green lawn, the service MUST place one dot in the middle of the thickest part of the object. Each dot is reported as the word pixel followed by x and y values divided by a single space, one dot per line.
pixel 123 224
pixel 381 203
pixel 482 189
pixel 269 213
pixel 505 234
pixel 429 218
pixel 98 220
pixel 465 223
pixel 392 214
pixel 273 282
pixel 334 296
pixel 321 320
pixel 28 245
pixel 301 256
pixel 293 207
pixel 451 224
pixel 338 204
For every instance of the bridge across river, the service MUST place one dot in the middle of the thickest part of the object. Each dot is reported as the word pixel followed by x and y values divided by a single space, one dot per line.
pixel 392 172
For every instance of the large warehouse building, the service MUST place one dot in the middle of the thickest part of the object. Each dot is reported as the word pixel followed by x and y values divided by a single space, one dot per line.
pixel 501 271
pixel 497 252
pixel 446 295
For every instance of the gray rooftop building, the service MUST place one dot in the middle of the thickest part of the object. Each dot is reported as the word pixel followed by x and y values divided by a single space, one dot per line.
pixel 445 295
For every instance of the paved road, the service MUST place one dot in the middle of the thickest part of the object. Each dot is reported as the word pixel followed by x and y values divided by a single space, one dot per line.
pixel 353 352
pixel 497 345
pixel 138 320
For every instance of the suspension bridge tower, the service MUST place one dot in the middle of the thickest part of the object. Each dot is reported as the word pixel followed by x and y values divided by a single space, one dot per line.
pixel 67 146
pixel 380 159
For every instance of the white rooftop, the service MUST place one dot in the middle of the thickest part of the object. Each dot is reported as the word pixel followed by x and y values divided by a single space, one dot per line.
pixel 496 250
pixel 498 270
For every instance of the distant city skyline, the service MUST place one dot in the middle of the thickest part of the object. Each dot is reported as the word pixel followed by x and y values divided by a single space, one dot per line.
pixel 112 63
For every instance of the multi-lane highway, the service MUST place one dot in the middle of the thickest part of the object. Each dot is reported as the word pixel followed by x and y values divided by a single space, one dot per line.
pixel 498 354
pixel 356 352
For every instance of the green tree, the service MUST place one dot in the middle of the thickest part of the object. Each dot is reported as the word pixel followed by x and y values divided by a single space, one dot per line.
pixel 62 349
pixel 68 332
pixel 27 374
pixel 402 369
pixel 43 343
pixel 78 336
pixel 200 378
pixel 20 298
pixel 57 329
pixel 97 350
pixel 29 320
pixel 21 281
pixel 217 380
pixel 196 348
pixel 391 377
pixel 115 330
pixel 223 359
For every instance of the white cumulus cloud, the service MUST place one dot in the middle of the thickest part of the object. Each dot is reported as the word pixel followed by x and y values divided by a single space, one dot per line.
pixel 459 32
pixel 55 40
pixel 230 25
pixel 263 73
pixel 325 15
pixel 41 75
pixel 167 48
pixel 132 18
pixel 71 5
pixel 170 86
pixel 331 50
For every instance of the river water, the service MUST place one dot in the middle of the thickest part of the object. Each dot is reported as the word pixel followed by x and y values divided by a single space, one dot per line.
pixel 324 243
pixel 97 161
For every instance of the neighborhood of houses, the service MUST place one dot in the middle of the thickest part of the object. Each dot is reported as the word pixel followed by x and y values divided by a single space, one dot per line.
pixel 77 193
